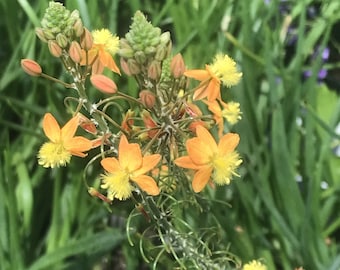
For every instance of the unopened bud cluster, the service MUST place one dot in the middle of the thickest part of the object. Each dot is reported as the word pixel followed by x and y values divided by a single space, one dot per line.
pixel 144 48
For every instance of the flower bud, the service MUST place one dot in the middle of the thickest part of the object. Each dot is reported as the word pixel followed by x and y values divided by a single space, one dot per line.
pixel 40 34
pixel 125 67
pixel 133 67
pixel 140 57
pixel 31 67
pixel 103 83
pixel 154 70
pixel 87 124
pixel 126 52
pixel 48 34
pixel 62 40
pixel 86 40
pixel 95 193
pixel 54 48
pixel 177 66
pixel 165 38
pixel 147 98
pixel 75 52
pixel 150 124
pixel 161 53
pixel 78 27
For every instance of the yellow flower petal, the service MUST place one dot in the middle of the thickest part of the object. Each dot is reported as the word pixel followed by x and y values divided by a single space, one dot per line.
pixel 51 128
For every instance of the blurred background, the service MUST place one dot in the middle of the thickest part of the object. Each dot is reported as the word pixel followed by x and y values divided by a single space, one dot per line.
pixel 284 209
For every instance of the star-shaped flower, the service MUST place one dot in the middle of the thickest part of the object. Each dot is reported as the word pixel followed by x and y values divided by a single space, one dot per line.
pixel 223 69
pixel 131 166
pixel 63 144
pixel 211 160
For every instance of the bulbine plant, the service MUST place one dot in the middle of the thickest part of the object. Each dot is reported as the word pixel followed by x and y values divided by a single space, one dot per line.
pixel 160 144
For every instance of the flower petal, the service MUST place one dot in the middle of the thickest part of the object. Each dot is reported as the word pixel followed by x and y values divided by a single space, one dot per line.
pixel 130 155
pixel 201 148
pixel 51 127
pixel 186 162
pixel 149 162
pixel 147 183
pixel 110 164
pixel 68 131
pixel 228 143
pixel 201 178
pixel 198 74
pixel 213 90
pixel 78 144
pixel 111 64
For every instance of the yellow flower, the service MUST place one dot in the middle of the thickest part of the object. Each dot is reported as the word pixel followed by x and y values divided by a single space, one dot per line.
pixel 105 46
pixel 130 166
pixel 229 111
pixel 210 160
pixel 223 69
pixel 62 145
pixel 254 265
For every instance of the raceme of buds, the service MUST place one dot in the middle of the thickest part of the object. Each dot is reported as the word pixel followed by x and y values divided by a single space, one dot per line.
pixel 31 67
pixel 103 83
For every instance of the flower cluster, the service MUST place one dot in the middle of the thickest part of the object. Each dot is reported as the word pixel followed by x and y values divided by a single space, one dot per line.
pixel 176 125
pixel 165 119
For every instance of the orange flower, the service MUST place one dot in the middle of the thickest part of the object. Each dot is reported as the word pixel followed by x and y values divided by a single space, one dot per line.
pixel 130 166
pixel 230 111
pixel 223 69
pixel 62 145
pixel 104 47
pixel 210 160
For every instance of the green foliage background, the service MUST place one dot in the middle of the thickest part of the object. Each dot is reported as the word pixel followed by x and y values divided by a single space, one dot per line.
pixel 47 219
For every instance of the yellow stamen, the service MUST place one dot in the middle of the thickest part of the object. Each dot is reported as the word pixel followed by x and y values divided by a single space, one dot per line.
pixel 225 167
pixel 105 38
pixel 53 155
pixel 117 185
pixel 224 68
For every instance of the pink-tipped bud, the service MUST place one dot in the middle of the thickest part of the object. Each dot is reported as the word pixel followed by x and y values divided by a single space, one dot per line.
pixel 86 40
pixel 133 67
pixel 75 52
pixel 177 66
pixel 40 34
pixel 54 48
pixel 87 124
pixel 154 70
pixel 103 83
pixel 125 67
pixel 31 67
pixel 147 98
pixel 95 193
pixel 78 27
